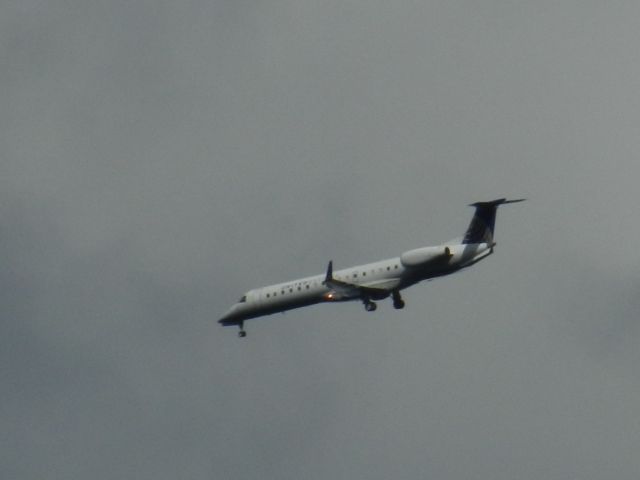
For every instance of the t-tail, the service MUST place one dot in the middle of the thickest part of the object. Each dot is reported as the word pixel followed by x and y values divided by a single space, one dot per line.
pixel 483 223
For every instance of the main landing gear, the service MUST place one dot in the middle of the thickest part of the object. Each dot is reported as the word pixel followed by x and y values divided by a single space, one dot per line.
pixel 369 306
pixel 398 303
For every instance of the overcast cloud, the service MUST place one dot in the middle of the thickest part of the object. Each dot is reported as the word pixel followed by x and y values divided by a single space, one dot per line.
pixel 158 159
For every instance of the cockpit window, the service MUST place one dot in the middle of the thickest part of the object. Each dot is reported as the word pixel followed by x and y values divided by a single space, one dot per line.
pixel 243 299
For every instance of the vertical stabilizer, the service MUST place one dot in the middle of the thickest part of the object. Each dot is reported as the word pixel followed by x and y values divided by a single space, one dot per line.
pixel 483 223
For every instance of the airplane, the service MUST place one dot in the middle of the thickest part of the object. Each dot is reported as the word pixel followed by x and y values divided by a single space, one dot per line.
pixel 374 281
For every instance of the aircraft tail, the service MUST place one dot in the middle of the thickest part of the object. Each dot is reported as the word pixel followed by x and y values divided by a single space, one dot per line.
pixel 482 224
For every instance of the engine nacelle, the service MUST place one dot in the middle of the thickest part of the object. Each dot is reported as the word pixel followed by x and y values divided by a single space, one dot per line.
pixel 424 255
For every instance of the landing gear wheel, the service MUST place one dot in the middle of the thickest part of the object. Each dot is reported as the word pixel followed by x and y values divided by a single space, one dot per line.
pixel 370 306
pixel 242 334
pixel 398 303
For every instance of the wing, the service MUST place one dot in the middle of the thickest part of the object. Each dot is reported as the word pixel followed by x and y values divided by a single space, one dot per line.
pixel 345 290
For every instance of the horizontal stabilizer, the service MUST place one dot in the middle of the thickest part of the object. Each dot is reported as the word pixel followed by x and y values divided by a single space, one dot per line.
pixel 495 203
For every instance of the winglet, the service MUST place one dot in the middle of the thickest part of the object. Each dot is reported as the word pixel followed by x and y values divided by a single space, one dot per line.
pixel 329 276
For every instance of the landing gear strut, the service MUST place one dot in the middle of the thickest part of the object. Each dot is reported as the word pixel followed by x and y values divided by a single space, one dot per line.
pixel 242 332
pixel 398 303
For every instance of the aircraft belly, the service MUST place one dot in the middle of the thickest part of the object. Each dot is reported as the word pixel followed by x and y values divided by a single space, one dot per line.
pixel 281 304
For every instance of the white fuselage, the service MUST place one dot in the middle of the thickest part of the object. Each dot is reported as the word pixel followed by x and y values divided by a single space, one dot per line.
pixel 385 278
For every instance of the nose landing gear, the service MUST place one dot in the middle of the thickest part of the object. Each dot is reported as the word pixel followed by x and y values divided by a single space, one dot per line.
pixel 242 333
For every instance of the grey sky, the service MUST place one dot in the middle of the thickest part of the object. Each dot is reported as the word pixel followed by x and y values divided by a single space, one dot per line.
pixel 157 159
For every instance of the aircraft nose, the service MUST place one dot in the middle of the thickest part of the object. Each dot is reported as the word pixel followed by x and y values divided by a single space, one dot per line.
pixel 229 318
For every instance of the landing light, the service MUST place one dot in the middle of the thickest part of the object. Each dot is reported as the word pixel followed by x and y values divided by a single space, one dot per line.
pixel 329 296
